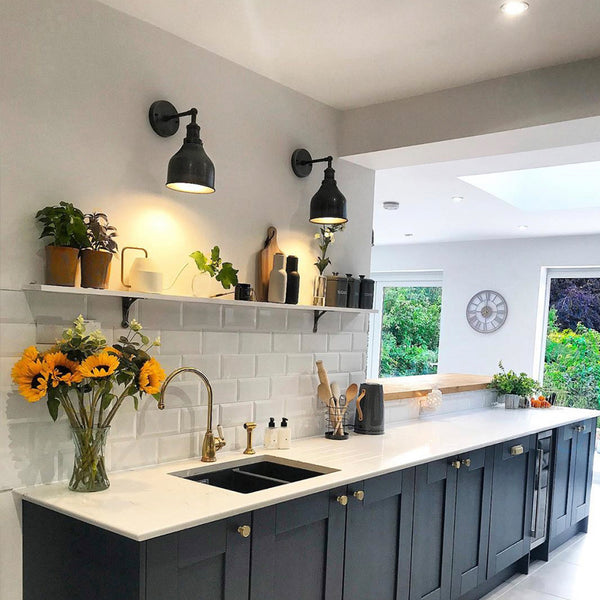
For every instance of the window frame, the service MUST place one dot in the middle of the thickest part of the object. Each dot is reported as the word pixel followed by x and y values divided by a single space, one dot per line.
pixel 433 278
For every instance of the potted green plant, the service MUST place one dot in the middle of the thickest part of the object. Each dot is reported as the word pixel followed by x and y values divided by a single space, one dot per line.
pixel 325 236
pixel 223 272
pixel 96 260
pixel 65 226
pixel 512 388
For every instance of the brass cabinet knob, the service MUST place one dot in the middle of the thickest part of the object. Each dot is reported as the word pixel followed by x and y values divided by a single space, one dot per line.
pixel 579 428
pixel 359 495
pixel 244 530
pixel 516 450
pixel 455 464
pixel 343 500
pixel 466 462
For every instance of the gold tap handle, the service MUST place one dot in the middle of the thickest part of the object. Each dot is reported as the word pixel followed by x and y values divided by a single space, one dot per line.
pixel 249 427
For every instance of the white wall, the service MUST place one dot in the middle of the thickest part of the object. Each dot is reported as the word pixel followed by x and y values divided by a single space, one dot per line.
pixel 549 95
pixel 511 267
pixel 77 81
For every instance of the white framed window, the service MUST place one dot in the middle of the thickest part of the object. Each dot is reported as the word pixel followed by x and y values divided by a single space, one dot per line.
pixel 388 283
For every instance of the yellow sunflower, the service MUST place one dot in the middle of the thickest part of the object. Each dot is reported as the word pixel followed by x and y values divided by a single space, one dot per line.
pixel 112 350
pixel 32 378
pixel 61 369
pixel 99 365
pixel 151 376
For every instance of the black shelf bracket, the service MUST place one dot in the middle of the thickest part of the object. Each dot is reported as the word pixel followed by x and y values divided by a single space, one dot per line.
pixel 317 314
pixel 126 304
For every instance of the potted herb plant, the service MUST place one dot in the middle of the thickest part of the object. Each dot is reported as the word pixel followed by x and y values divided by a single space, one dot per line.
pixel 96 260
pixel 65 226
pixel 513 388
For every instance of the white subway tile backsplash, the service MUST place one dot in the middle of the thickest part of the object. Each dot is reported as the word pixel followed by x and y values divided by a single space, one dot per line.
pixel 331 361
pixel 177 447
pixel 340 342
pixel 160 314
pixel 330 322
pixel 270 319
pixel 14 307
pixel 314 342
pixel 238 365
pixel 300 320
pixel 154 421
pixel 123 425
pixel 15 337
pixel 358 377
pixel 6 365
pixel 209 364
pixel 194 419
pixel 201 316
pixel 266 409
pixel 253 389
pixel 270 364
pixel 104 309
pixel 224 391
pixel 300 363
pixel 179 394
pixel 286 342
pixel 360 341
pixel 55 308
pixel 300 406
pixel 342 379
pixel 220 342
pixel 308 385
pixel 179 342
pixel 354 322
pixel 285 385
pixel 134 453
pixel 351 361
pixel 255 343
pixel 169 362
pixel 239 317
pixel 236 414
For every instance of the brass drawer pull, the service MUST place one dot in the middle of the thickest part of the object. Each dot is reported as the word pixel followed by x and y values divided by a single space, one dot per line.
pixel 343 500
pixel 359 495
pixel 466 462
pixel 579 428
pixel 455 464
pixel 516 450
pixel 244 530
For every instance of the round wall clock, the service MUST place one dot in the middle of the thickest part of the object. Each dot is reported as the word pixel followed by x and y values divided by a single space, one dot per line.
pixel 487 311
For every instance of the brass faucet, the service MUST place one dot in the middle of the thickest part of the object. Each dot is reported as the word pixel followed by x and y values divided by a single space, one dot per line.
pixel 249 427
pixel 211 443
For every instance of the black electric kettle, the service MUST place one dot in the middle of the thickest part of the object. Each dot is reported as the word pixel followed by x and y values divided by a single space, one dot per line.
pixel 371 410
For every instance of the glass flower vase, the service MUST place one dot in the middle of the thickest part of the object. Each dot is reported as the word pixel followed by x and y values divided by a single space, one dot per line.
pixel 89 470
pixel 319 290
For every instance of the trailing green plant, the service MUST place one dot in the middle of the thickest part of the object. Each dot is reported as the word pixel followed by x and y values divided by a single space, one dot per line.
pixel 215 267
pixel 325 236
pixel 64 224
pixel 508 382
pixel 100 233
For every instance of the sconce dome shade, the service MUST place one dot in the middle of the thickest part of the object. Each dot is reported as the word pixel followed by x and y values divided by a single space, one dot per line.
pixel 190 169
pixel 328 205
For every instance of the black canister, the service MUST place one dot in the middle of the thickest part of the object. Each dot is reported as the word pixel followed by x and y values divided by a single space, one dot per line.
pixel 337 291
pixel 371 408
pixel 293 280
pixel 353 291
pixel 367 287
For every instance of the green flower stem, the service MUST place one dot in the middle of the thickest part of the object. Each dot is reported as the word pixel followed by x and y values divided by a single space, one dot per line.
pixel 116 407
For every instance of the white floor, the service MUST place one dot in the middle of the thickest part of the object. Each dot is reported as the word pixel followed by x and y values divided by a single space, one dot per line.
pixel 573 571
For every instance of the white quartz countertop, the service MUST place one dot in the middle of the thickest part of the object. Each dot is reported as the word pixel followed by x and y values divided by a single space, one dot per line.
pixel 148 502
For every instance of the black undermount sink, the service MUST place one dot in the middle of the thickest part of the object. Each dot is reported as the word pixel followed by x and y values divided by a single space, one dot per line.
pixel 251 475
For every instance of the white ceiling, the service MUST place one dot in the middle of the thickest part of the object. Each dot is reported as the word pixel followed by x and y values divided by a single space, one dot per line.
pixel 351 53
pixel 427 211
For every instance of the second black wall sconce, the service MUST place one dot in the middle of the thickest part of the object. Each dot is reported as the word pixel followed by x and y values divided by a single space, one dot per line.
pixel 328 205
pixel 190 169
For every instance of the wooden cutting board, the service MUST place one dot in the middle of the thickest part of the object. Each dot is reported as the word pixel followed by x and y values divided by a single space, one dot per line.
pixel 265 264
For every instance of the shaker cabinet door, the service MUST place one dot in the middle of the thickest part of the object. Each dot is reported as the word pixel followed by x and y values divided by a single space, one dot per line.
pixel 433 523
pixel 298 548
pixel 583 470
pixel 564 464
pixel 378 537
pixel 512 496
pixel 203 563
pixel 472 521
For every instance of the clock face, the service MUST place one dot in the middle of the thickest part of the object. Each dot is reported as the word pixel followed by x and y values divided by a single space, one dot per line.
pixel 487 311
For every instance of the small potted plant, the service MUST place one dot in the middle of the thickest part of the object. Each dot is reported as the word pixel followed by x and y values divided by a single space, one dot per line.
pixel 223 272
pixel 96 260
pixel 514 390
pixel 65 226
pixel 325 236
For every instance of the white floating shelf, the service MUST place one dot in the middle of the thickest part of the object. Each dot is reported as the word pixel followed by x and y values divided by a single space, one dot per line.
pixel 129 297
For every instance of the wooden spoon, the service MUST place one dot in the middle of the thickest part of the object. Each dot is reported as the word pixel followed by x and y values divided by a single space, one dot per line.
pixel 358 408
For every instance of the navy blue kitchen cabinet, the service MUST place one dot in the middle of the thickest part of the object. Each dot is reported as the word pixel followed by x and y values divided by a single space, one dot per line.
pixel 572 480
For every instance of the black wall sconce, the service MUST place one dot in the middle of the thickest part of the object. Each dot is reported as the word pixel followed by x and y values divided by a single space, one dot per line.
pixel 190 169
pixel 328 205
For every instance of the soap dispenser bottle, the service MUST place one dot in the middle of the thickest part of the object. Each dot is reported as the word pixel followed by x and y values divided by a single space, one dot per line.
pixel 271 435
pixel 285 435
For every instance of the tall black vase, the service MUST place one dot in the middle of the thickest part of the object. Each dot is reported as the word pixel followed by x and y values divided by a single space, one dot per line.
pixel 293 280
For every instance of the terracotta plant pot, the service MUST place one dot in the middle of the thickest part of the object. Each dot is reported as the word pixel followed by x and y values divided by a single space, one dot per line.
pixel 61 265
pixel 95 268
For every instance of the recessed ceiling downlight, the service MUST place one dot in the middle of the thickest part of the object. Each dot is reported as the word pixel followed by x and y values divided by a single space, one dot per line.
pixel 457 199
pixel 514 7
pixel 523 227
pixel 391 205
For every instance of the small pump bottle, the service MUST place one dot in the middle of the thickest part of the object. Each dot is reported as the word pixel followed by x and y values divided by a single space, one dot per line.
pixel 285 435
pixel 271 436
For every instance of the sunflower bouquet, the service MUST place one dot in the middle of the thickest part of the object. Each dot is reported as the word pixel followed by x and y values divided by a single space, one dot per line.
pixel 90 380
